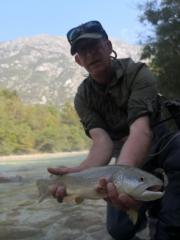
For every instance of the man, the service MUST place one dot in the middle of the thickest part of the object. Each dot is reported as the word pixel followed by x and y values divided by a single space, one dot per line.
pixel 118 107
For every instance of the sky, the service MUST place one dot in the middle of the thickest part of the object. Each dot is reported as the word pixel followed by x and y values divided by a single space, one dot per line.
pixel 25 18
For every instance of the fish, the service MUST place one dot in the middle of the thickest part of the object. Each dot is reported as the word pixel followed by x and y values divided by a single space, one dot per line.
pixel 135 182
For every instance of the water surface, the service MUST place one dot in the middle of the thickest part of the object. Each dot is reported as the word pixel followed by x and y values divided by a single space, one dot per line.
pixel 22 217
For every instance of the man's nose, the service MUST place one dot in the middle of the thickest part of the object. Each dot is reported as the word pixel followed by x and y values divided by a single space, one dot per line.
pixel 90 51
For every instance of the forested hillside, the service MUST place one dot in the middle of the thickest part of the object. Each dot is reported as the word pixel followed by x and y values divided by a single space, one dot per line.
pixel 38 128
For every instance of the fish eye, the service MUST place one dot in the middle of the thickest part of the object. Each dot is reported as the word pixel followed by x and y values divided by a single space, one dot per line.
pixel 141 179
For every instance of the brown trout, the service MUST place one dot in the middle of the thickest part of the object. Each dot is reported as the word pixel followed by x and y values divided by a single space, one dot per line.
pixel 82 185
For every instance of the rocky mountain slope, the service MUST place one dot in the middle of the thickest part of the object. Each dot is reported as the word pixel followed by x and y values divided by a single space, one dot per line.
pixel 42 70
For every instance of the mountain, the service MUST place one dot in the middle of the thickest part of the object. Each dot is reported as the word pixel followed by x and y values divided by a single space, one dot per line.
pixel 41 70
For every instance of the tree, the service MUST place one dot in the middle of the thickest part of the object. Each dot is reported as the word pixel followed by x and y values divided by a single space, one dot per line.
pixel 163 45
pixel 38 128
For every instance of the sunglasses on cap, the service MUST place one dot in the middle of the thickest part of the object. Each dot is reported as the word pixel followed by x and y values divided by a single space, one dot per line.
pixel 91 30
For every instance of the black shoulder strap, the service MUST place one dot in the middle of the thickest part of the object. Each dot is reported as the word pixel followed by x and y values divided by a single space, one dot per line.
pixel 173 107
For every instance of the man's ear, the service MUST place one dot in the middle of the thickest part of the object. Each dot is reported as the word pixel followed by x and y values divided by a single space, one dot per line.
pixel 109 46
pixel 77 59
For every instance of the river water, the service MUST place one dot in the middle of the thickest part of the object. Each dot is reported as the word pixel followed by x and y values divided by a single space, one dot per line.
pixel 23 217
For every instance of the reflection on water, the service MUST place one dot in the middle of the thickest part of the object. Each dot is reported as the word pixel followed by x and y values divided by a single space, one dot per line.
pixel 22 217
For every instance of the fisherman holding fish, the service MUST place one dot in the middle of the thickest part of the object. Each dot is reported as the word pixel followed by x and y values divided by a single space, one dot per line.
pixel 118 107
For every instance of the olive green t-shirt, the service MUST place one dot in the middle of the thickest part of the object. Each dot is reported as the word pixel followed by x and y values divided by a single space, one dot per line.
pixel 114 107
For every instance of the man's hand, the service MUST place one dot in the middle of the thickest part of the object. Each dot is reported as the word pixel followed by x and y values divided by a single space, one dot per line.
pixel 59 191
pixel 120 200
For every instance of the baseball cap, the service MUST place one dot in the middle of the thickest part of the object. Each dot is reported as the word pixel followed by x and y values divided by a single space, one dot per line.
pixel 91 30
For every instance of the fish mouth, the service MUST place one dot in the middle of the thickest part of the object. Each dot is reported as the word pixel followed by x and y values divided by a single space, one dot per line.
pixel 152 192
pixel 155 188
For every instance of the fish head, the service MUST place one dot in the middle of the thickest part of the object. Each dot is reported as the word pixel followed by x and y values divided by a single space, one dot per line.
pixel 139 184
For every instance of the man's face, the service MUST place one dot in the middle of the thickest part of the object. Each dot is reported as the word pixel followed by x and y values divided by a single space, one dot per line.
pixel 94 54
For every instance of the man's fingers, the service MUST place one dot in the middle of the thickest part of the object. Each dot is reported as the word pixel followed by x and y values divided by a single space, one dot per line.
pixel 113 197
pixel 57 191
pixel 103 182
pixel 112 192
pixel 102 186
pixel 55 171
pixel 62 170
pixel 60 192
pixel 120 200
pixel 59 170
pixel 52 189
pixel 107 189
pixel 128 202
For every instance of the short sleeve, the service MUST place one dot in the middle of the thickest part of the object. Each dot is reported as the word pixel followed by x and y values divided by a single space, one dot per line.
pixel 143 95
pixel 88 117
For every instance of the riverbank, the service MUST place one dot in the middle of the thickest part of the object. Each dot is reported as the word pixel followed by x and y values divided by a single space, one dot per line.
pixel 42 155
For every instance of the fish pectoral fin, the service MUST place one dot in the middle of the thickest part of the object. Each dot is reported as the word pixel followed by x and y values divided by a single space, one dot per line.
pixel 73 199
pixel 42 197
pixel 133 215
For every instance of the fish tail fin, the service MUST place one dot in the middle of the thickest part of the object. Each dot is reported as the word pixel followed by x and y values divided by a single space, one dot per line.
pixel 133 215
pixel 43 189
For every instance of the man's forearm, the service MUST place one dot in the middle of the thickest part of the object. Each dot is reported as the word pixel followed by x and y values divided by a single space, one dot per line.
pixel 101 150
pixel 137 145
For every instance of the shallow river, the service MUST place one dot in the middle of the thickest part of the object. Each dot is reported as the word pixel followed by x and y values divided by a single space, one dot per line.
pixel 22 217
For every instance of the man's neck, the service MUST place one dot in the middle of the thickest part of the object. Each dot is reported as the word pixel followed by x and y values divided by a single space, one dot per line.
pixel 104 77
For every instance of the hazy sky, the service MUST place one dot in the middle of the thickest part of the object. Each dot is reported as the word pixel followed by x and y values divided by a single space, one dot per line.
pixel 19 18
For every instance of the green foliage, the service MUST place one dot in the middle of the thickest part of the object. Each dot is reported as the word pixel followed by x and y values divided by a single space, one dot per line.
pixel 38 128
pixel 163 45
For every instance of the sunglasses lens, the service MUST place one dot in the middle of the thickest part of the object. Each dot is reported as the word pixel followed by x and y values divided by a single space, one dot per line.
pixel 73 34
